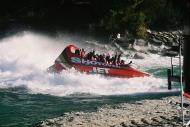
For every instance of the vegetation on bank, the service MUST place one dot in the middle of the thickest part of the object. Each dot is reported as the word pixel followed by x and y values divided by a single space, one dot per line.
pixel 139 15
pixel 134 16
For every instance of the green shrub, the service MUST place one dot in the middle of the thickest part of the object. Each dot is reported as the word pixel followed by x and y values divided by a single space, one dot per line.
pixel 141 31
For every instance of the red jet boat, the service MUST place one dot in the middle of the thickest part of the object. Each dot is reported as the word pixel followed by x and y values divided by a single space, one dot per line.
pixel 68 59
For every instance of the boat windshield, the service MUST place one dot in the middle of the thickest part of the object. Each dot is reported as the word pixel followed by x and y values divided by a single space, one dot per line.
pixel 73 49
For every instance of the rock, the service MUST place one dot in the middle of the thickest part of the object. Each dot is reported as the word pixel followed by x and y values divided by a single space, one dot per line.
pixel 140 42
pixel 70 119
pixel 161 112
pixel 78 113
pixel 169 53
pixel 154 49
pixel 157 40
pixel 39 124
pixel 139 56
pixel 123 124
pixel 50 122
pixel 140 49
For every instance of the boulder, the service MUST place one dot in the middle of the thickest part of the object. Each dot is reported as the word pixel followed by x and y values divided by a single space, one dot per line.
pixel 156 42
pixel 140 42
pixel 169 53
pixel 139 56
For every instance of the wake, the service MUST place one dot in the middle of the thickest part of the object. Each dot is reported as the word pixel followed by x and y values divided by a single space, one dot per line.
pixel 25 57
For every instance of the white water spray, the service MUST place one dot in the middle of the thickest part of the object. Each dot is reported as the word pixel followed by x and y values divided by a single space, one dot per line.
pixel 25 57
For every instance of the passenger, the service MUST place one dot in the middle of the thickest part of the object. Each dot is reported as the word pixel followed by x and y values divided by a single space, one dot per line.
pixel 90 55
pixel 97 58
pixel 100 58
pixel 103 58
pixel 114 60
pixel 93 52
pixel 82 54
pixel 122 62
pixel 119 59
pixel 111 60
pixel 77 52
pixel 108 59
pixel 94 58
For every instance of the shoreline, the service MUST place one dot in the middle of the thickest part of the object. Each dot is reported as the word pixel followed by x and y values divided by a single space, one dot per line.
pixel 164 112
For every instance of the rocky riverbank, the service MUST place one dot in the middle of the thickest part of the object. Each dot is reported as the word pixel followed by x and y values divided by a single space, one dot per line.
pixel 162 43
pixel 163 112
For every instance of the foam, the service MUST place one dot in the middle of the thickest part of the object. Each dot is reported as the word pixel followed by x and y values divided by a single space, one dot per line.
pixel 25 57
pixel 155 61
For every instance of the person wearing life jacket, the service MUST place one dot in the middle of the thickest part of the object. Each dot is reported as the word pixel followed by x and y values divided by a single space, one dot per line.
pixel 103 58
pixel 119 59
pixel 115 59
pixel 108 59
pixel 82 53
pixel 90 55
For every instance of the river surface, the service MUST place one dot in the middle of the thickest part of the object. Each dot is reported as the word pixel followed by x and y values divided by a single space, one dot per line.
pixel 28 94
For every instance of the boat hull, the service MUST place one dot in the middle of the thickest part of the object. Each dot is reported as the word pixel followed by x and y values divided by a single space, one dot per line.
pixel 69 59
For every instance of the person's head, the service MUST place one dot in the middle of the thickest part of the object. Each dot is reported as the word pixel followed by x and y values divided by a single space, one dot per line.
pixel 122 62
